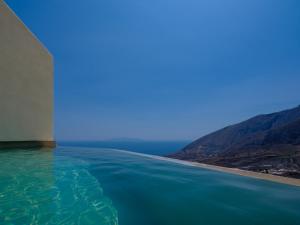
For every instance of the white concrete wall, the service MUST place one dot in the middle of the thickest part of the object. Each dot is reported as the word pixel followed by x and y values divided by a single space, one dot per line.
pixel 26 82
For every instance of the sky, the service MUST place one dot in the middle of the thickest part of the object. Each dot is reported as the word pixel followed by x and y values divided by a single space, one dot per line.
pixel 166 69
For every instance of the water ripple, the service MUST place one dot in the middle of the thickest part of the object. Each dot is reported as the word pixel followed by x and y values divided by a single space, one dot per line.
pixel 35 188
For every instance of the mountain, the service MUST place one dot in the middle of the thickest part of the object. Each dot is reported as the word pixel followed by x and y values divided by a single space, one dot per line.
pixel 266 143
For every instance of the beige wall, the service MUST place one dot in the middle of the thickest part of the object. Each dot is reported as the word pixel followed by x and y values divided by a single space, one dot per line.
pixel 26 82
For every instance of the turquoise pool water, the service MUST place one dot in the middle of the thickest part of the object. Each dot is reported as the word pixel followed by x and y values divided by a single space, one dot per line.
pixel 72 185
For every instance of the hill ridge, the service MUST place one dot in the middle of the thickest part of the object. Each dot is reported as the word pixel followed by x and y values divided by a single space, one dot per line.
pixel 268 139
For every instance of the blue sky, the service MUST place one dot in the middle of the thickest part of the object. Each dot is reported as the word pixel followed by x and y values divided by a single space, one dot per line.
pixel 166 69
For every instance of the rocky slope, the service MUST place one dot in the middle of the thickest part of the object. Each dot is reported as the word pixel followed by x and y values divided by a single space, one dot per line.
pixel 266 143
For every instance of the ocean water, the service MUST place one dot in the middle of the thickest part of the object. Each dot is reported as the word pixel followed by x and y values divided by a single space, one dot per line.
pixel 80 185
pixel 160 148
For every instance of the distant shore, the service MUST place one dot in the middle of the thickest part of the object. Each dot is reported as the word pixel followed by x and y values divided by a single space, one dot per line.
pixel 246 173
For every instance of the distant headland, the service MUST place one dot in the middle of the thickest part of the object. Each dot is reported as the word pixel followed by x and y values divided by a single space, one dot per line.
pixel 267 143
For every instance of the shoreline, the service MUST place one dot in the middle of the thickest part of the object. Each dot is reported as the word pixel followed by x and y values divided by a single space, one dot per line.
pixel 236 171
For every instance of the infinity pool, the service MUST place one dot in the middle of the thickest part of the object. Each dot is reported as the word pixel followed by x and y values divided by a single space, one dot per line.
pixel 72 185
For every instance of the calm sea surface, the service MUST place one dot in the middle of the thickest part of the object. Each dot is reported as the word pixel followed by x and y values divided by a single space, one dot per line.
pixel 160 148
pixel 80 185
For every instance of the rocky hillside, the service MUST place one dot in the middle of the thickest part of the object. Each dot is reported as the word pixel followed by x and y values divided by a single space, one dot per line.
pixel 266 143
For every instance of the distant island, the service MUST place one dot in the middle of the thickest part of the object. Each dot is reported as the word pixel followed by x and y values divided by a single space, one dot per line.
pixel 267 143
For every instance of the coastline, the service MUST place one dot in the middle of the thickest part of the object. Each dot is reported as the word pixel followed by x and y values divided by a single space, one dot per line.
pixel 236 171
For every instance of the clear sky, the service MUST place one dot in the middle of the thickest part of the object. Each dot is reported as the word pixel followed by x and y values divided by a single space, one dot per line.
pixel 166 69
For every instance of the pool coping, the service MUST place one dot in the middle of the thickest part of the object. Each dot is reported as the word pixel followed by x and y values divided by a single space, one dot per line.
pixel 26 144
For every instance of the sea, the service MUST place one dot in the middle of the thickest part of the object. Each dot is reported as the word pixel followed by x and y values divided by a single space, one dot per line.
pixel 160 148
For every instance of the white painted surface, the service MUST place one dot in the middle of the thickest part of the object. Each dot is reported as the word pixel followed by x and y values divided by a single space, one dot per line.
pixel 26 82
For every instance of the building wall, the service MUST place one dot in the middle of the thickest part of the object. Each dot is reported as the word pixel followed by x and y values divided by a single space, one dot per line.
pixel 26 82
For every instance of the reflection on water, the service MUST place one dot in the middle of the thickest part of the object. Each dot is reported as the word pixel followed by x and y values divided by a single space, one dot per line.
pixel 36 188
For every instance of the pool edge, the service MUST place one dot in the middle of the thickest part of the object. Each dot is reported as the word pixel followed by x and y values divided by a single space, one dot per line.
pixel 27 144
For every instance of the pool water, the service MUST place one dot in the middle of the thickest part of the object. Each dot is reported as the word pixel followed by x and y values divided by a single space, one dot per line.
pixel 71 185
